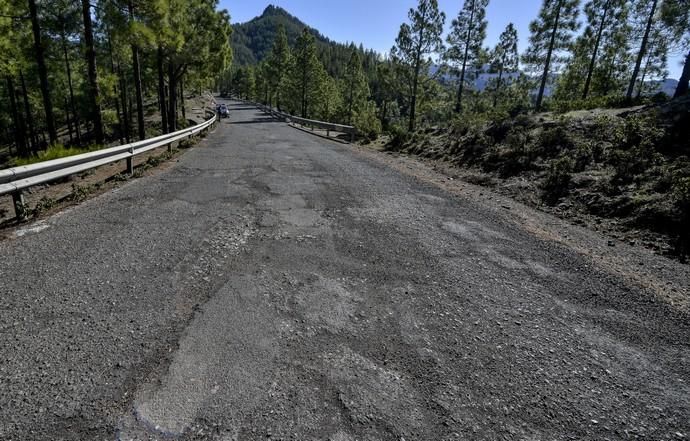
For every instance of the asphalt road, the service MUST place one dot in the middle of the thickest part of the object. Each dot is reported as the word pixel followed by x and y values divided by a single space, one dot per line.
pixel 275 285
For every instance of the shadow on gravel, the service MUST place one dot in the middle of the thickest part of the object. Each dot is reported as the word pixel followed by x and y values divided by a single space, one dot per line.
pixel 241 107
pixel 256 121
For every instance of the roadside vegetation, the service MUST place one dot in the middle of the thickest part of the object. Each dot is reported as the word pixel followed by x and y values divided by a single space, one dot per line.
pixel 79 75
pixel 55 151
pixel 629 170
pixel 575 122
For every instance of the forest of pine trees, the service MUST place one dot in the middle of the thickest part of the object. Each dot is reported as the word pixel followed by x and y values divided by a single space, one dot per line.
pixel 581 54
pixel 85 73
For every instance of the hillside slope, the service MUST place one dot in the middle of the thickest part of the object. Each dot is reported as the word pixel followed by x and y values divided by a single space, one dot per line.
pixel 625 172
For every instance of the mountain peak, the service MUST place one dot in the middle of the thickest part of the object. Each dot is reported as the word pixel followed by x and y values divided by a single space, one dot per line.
pixel 252 41
pixel 272 10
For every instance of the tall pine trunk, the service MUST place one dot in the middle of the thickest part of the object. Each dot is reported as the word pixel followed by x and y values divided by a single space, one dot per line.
pixel 413 100
pixel 278 93
pixel 28 115
pixel 303 92
pixel 172 99
pixel 184 111
pixel 123 101
pixel 68 119
pixel 498 84
pixel 643 51
pixel 415 80
pixel 120 123
pixel 130 106
pixel 458 105
pixel 42 72
pixel 643 76
pixel 597 42
pixel 137 80
pixel 349 102
pixel 161 89
pixel 384 115
pixel 94 95
pixel 18 122
pixel 682 88
pixel 72 105
pixel 547 65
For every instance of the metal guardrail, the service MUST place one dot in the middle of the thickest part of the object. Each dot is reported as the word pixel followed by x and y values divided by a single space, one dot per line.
pixel 310 122
pixel 14 180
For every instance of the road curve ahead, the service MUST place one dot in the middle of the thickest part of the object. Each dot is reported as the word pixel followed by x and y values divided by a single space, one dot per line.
pixel 275 285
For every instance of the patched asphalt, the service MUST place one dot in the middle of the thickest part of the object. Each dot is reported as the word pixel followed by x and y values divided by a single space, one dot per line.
pixel 276 285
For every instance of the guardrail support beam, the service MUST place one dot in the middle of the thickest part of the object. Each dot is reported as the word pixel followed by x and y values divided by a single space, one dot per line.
pixel 130 166
pixel 19 205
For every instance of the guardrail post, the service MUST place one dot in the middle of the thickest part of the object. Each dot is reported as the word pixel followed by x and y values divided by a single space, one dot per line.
pixel 130 162
pixel 19 205
pixel 352 137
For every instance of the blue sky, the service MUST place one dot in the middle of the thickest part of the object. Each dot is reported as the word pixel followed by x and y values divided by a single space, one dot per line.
pixel 375 23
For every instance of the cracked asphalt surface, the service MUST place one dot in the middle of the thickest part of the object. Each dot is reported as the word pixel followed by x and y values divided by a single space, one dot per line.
pixel 275 285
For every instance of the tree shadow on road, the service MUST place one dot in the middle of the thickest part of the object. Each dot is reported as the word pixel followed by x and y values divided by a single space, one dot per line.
pixel 256 121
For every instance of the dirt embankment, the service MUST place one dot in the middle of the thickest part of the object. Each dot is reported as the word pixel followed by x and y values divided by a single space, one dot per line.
pixel 623 172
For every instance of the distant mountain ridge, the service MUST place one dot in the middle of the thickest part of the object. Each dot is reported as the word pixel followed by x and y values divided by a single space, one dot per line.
pixel 480 80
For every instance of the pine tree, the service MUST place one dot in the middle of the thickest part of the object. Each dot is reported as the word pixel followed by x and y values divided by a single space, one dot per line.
pixel 416 41
pixel 356 86
pixel 278 64
pixel 263 80
pixel 198 44
pixel 11 60
pixel 655 61
pixel 39 53
pixel 307 74
pixel 330 98
pixel 63 18
pixel 505 57
pixel 605 18
pixel 465 40
pixel 551 33
pixel 386 91
pixel 136 68
pixel 249 83
pixel 94 92
pixel 646 12
pixel 613 63
pixel 676 16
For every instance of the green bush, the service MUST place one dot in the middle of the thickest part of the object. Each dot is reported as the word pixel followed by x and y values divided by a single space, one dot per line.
pixel 555 139
pixel 585 153
pixel 608 129
pixel 600 102
pixel 367 122
pixel 466 122
pixel 56 151
pixel 640 138
pixel 399 137
pixel 681 197
pixel 557 180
